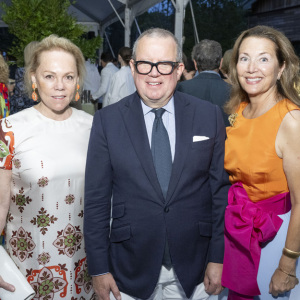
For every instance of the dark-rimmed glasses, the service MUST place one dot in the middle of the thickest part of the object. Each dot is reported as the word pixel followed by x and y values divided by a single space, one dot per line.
pixel 163 67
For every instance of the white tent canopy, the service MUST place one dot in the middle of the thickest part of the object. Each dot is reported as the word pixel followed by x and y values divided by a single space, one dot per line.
pixel 102 13
pixel 98 14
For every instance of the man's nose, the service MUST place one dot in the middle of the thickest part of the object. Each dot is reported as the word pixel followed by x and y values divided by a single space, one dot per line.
pixel 154 72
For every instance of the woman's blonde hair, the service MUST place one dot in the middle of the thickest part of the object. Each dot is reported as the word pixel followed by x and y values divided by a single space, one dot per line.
pixel 28 51
pixel 4 70
pixel 285 55
pixel 53 42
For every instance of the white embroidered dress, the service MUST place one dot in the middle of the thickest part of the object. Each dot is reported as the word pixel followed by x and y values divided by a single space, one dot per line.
pixel 44 232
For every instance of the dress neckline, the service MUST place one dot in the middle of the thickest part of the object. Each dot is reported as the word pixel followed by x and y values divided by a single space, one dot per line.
pixel 245 104
pixel 37 112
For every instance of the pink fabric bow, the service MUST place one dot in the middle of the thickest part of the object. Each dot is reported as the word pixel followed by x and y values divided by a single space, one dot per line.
pixel 247 226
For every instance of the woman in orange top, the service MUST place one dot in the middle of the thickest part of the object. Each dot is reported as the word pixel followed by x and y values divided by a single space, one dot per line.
pixel 262 220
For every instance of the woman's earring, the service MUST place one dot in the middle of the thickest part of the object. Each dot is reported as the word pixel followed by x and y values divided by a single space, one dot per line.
pixel 34 94
pixel 77 97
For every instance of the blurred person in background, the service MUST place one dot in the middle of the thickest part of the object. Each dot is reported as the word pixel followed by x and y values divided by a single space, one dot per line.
pixel 92 78
pixel 109 69
pixel 189 68
pixel 225 69
pixel 122 83
pixel 20 99
pixel 4 77
pixel 208 84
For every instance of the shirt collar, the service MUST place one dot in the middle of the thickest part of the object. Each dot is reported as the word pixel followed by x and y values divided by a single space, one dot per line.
pixel 212 72
pixel 169 107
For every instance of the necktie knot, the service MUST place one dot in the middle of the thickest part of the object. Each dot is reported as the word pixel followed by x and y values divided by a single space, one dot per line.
pixel 158 112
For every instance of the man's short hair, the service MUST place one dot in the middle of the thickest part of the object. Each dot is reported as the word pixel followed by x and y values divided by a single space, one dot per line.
pixel 208 55
pixel 158 33
pixel 106 57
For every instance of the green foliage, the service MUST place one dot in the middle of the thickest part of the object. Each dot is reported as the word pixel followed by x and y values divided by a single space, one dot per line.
pixel 221 20
pixel 32 20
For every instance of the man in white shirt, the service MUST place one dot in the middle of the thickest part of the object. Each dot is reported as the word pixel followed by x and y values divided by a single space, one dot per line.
pixel 92 79
pixel 122 83
pixel 109 69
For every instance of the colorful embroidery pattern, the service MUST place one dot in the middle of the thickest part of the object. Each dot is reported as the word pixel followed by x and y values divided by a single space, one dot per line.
pixel 38 233
pixel 44 258
pixel 17 163
pixel 70 199
pixel 82 277
pixel 43 220
pixel 20 200
pixel 46 284
pixel 68 240
pixel 4 151
pixel 22 244
pixel 6 145
pixel 43 181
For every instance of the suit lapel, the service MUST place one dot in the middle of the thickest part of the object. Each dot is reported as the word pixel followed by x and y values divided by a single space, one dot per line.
pixel 133 117
pixel 184 115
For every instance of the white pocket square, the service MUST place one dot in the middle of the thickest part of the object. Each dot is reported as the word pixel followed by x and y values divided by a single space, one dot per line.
pixel 199 138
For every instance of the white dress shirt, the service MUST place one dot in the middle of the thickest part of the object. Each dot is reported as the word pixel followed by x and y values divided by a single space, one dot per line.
pixel 92 78
pixel 121 85
pixel 106 74
pixel 168 119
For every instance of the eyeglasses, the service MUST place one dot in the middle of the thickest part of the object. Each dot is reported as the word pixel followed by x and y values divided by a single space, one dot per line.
pixel 163 67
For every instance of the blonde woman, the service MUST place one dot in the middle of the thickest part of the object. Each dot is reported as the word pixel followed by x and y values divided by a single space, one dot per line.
pixel 42 168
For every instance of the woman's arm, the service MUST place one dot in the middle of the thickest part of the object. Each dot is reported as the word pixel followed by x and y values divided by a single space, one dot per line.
pixel 5 178
pixel 288 148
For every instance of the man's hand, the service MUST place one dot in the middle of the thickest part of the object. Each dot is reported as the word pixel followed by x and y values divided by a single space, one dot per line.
pixel 103 285
pixel 212 279
pixel 6 286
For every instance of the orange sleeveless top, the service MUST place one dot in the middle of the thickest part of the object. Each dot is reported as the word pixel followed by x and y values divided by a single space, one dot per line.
pixel 250 155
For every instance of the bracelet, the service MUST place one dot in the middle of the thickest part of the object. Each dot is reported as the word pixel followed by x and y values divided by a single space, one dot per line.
pixel 289 253
pixel 288 274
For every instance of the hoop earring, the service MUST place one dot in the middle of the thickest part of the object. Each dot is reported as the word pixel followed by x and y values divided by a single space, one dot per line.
pixel 34 94
pixel 77 97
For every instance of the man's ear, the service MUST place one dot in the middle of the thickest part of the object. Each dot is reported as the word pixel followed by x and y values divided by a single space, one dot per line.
pixel 221 62
pixel 195 64
pixel 131 63
pixel 180 69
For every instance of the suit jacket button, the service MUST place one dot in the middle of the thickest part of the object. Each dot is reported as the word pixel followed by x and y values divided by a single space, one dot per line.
pixel 166 209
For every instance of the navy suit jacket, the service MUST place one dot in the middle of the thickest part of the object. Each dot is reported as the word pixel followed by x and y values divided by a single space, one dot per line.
pixel 119 164
pixel 210 87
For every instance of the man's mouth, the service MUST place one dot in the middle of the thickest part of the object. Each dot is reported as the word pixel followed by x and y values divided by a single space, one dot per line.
pixel 154 83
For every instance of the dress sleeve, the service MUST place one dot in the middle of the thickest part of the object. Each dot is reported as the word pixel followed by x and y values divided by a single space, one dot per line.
pixel 6 145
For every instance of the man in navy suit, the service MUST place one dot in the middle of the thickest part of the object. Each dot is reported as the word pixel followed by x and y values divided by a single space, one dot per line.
pixel 145 241
pixel 208 84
